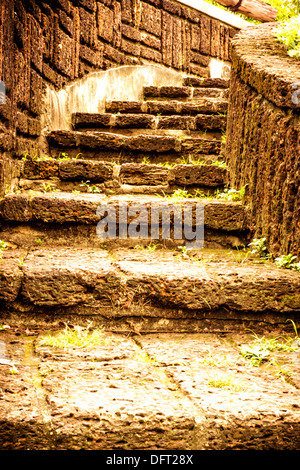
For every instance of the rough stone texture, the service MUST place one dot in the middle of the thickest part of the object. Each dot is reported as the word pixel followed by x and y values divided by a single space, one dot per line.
pixel 63 207
pixel 206 82
pixel 198 175
pixel 204 105
pixel 85 170
pixel 263 137
pixel 137 143
pixel 143 174
pixel 10 274
pixel 56 42
pixel 91 281
pixel 151 392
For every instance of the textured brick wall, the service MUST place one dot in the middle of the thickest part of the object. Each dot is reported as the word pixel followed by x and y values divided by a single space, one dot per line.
pixel 56 41
pixel 263 136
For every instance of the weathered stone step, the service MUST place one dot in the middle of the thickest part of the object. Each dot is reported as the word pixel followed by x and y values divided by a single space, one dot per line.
pixel 178 292
pixel 201 106
pixel 150 122
pixel 62 141
pixel 206 82
pixel 159 392
pixel 62 207
pixel 56 172
pixel 184 93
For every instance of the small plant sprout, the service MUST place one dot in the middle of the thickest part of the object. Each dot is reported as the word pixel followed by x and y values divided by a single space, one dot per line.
pixel 3 245
pixel 39 241
pixel 90 188
pixel 288 262
pixel 259 350
pixel 180 194
pixel 259 248
pixel 63 156
pixel 47 188
pixel 77 337
pixel 227 382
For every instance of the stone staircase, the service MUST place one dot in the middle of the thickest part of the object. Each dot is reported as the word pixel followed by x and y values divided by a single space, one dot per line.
pixel 179 387
pixel 161 153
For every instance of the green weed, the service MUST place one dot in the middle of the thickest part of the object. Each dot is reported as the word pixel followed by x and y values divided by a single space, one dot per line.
pixel 288 33
pixel 3 245
pixel 47 188
pixel 288 262
pixel 77 337
pixel 259 350
pixel 227 382
pixel 90 188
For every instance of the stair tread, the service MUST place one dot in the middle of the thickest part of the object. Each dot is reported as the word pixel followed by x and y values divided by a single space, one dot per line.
pixel 206 82
pixel 59 276
pixel 199 106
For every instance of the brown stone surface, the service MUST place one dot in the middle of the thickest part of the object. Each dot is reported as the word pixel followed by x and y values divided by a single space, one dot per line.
pixel 210 122
pixel 196 146
pixel 269 69
pixel 206 82
pixel 90 279
pixel 51 207
pixel 203 105
pixel 154 392
pixel 55 43
pixel 159 144
pixel 167 92
pixel 139 174
pixel 197 175
pixel 85 170
pixel 11 274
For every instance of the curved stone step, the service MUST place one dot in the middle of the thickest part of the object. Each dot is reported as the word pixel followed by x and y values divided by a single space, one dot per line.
pixel 206 82
pixel 70 208
pixel 185 93
pixel 201 106
pixel 62 140
pixel 150 122
pixel 113 284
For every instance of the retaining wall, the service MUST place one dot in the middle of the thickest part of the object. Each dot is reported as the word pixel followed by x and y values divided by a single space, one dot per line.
pixel 263 135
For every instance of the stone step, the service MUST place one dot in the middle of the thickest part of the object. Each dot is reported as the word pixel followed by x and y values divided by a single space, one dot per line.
pixel 185 93
pixel 40 174
pixel 206 82
pixel 157 124
pixel 107 145
pixel 67 218
pixel 174 394
pixel 60 207
pixel 171 107
pixel 158 290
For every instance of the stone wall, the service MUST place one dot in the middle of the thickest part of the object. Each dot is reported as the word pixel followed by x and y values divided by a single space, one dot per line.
pixel 263 136
pixel 55 42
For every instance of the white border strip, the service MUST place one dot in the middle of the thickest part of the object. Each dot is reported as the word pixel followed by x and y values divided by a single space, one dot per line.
pixel 218 13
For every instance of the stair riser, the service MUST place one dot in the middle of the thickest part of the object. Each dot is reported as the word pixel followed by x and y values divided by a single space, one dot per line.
pixel 162 320
pixel 142 121
pixel 63 141
pixel 201 106
pixel 69 175
pixel 184 93
pixel 39 234
pixel 206 82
